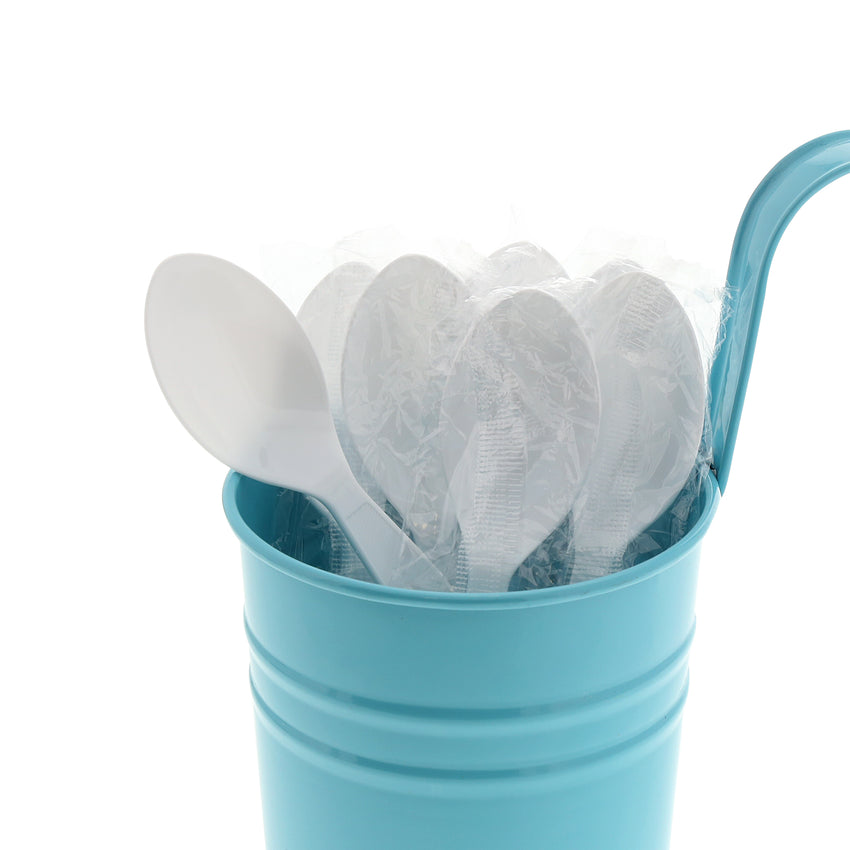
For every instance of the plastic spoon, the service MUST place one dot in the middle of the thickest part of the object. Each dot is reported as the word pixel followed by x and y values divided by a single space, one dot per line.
pixel 403 336
pixel 520 418
pixel 522 264
pixel 242 377
pixel 325 316
pixel 653 413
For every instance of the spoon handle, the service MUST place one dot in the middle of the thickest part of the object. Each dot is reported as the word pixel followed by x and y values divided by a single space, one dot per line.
pixel 387 552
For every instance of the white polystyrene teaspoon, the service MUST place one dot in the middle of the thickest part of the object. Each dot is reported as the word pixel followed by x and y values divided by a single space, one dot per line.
pixel 653 411
pixel 325 316
pixel 522 264
pixel 520 416
pixel 242 377
pixel 401 341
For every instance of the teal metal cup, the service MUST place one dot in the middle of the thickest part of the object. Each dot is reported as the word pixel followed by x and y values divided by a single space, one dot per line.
pixel 406 720
pixel 392 719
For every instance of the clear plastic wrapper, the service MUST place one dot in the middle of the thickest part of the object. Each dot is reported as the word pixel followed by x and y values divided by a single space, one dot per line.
pixel 516 266
pixel 325 316
pixel 653 394
pixel 700 291
pixel 526 430
pixel 306 531
pixel 401 342
pixel 520 420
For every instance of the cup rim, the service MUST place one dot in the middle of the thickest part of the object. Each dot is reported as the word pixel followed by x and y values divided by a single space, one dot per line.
pixel 345 585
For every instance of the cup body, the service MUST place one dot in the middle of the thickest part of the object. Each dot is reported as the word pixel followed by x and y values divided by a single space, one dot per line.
pixel 391 719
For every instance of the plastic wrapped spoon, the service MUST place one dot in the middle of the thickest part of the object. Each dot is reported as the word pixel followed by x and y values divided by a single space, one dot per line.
pixel 522 264
pixel 653 413
pixel 520 419
pixel 242 377
pixel 403 335
pixel 325 316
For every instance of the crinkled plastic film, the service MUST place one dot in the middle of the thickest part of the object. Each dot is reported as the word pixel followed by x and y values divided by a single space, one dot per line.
pixel 525 429
pixel 520 415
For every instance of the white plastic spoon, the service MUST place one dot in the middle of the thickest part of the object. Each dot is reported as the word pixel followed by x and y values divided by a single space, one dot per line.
pixel 653 412
pixel 242 377
pixel 403 336
pixel 520 419
pixel 325 316
pixel 522 264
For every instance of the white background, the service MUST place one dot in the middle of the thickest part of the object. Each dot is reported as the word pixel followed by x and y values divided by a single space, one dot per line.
pixel 134 131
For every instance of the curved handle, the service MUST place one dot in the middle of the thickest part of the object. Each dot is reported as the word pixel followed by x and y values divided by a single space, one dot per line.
pixel 774 203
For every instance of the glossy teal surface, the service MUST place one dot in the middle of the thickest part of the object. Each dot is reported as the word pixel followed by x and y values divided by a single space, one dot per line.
pixel 770 209
pixel 398 719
